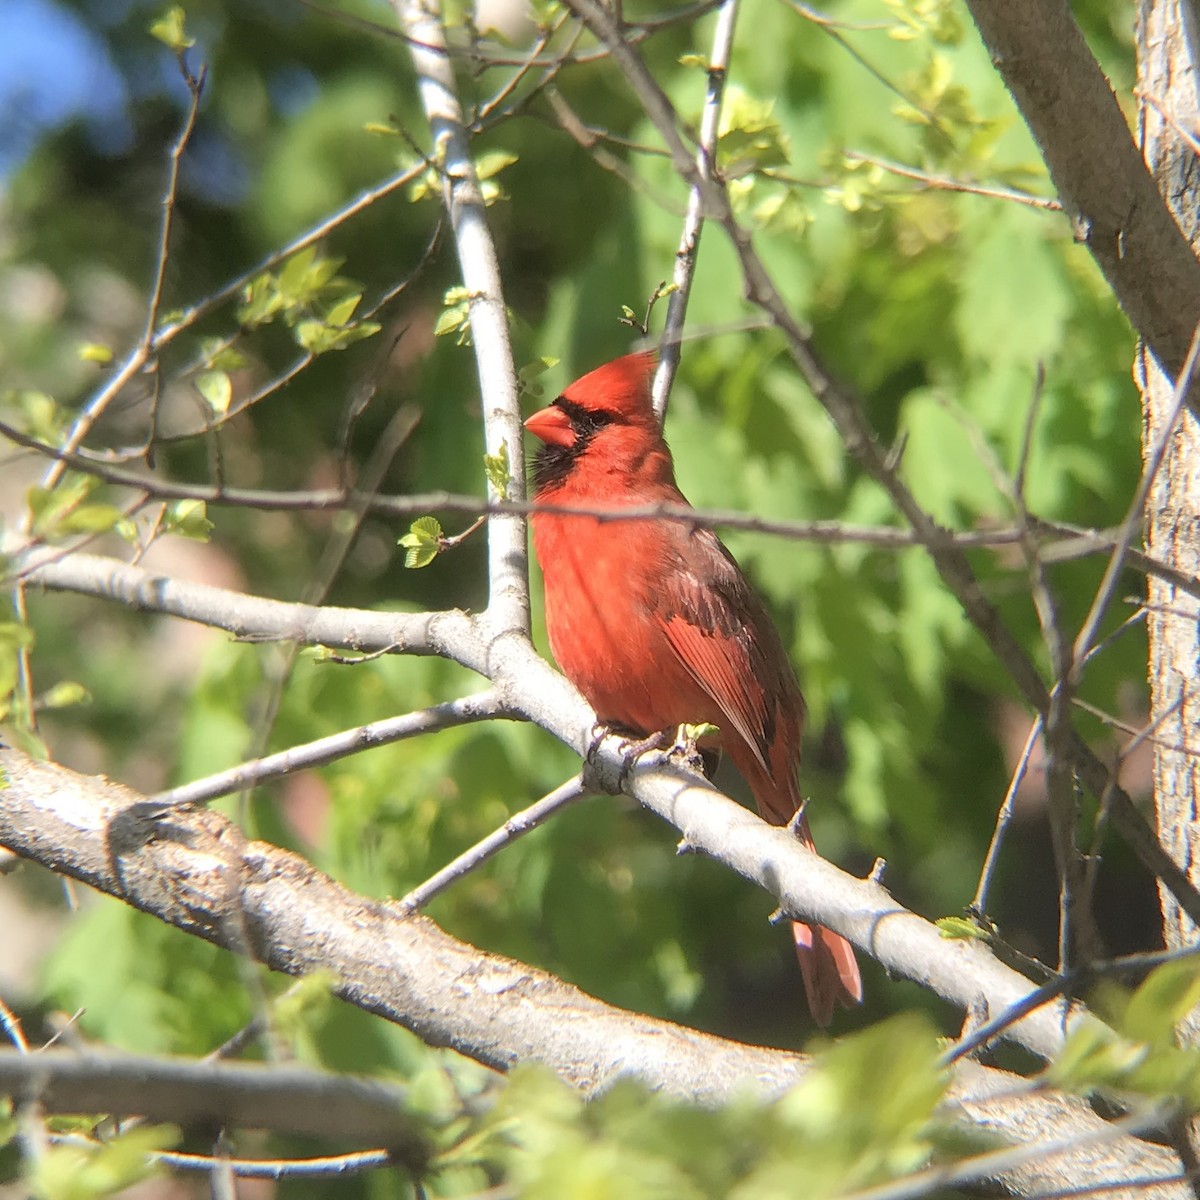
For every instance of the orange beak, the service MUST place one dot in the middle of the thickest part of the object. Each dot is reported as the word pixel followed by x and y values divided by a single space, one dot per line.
pixel 552 426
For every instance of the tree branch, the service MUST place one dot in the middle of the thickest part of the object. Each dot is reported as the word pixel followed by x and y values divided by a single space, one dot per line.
pixel 508 569
pixel 195 871
pixel 285 1099
pixel 1110 196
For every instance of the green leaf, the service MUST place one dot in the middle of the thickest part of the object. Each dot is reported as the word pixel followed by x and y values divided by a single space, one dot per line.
pixel 319 337
pixel 423 542
pixel 292 279
pixel 91 518
pixel 343 310
pixel 496 468
pixel 1161 1001
pixel 169 29
pixel 217 389
pixel 491 162
pixel 527 376
pixel 455 316
pixel 751 137
pixel 1094 1056
pixel 261 302
pixel 42 416
pixel 218 354
pixel 50 507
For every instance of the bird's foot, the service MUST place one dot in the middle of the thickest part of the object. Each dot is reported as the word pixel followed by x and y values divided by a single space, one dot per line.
pixel 632 748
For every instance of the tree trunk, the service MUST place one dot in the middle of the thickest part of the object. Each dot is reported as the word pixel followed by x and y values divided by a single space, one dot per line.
pixel 1169 107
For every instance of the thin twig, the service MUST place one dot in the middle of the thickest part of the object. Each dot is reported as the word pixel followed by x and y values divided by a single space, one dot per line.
pixel 515 827
pixel 1004 819
pixel 141 355
pixel 947 184
pixel 693 222
pixel 479 707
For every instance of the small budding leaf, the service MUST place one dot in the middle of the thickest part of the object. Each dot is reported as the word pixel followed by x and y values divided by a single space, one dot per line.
pixel 41 414
pixel 219 355
pixel 170 30
pixel 751 137
pixel 497 470
pixel 188 518
pixel 961 927
pixel 492 162
pixel 527 376
pixel 217 389
pixel 455 316
pixel 422 542
pixel 95 352
pixel 91 518
pixel 704 729
pixel 693 60
pixel 67 694
pixel 50 507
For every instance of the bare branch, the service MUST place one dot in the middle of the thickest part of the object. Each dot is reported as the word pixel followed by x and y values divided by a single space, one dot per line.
pixel 145 348
pixel 329 749
pixel 943 183
pixel 508 571
pixel 515 827
pixel 1106 189
pixel 286 1099
pixel 693 223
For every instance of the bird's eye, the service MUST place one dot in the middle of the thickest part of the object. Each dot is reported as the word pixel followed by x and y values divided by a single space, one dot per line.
pixel 585 421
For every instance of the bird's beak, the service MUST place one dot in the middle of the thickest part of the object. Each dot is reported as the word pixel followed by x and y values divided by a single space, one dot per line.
pixel 552 426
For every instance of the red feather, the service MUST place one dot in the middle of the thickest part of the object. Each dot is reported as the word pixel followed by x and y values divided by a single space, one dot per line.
pixel 654 622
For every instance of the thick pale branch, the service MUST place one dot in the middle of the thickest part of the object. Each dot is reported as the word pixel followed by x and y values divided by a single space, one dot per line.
pixel 508 574
pixel 451 634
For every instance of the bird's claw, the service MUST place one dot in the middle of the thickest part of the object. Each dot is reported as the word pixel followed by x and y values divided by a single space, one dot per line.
pixel 631 751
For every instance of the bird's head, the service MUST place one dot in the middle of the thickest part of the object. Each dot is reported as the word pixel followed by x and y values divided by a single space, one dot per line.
pixel 589 414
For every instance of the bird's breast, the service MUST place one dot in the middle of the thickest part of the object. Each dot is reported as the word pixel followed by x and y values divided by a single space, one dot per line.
pixel 600 581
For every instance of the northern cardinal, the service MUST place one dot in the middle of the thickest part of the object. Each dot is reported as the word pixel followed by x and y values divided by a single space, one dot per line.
pixel 654 622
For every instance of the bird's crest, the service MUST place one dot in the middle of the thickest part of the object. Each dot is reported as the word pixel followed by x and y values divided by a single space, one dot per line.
pixel 621 386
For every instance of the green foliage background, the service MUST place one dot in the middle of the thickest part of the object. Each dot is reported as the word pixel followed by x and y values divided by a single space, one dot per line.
pixel 939 307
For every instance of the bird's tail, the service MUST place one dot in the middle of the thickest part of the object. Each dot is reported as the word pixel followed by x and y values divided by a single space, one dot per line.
pixel 829 970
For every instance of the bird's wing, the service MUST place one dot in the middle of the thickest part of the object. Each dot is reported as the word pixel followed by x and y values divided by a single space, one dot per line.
pixel 722 634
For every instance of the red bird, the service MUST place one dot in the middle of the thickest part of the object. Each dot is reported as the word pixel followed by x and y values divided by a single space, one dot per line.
pixel 655 623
